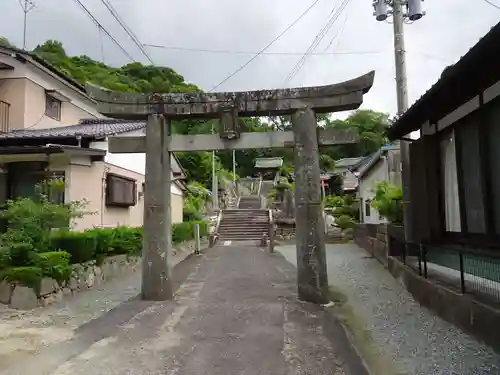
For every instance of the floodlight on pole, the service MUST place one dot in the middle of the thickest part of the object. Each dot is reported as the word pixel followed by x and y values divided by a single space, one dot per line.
pixel 415 11
pixel 381 8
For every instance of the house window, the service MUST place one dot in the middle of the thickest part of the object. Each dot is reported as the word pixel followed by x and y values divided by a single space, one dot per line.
pixel 4 116
pixel 24 177
pixel 52 107
pixel 367 208
pixel 492 117
pixel 120 191
pixel 450 182
pixel 470 175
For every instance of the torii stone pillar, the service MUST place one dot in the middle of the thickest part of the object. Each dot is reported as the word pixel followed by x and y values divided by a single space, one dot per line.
pixel 158 144
pixel 312 283
pixel 156 273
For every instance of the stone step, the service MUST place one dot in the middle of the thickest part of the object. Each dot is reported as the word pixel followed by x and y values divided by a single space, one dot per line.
pixel 244 215
pixel 244 230
pixel 239 238
pixel 245 221
pixel 246 211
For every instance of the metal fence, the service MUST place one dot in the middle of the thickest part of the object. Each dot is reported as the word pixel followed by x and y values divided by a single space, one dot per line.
pixel 468 271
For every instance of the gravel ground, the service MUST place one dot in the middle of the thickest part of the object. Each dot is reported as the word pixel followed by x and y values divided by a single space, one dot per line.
pixel 415 340
pixel 28 331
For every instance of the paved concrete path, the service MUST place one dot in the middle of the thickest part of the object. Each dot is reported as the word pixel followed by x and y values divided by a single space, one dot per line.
pixel 235 312
pixel 404 337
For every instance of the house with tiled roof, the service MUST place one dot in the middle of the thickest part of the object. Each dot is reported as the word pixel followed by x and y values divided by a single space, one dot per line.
pixel 454 166
pixel 383 165
pixel 33 94
pixel 348 168
pixel 50 128
pixel 112 184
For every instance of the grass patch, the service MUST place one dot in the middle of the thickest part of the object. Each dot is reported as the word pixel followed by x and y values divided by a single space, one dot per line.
pixel 360 337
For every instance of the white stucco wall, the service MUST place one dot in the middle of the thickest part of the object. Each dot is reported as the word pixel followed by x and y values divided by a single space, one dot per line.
pixel 24 89
pixel 378 172
pixel 132 162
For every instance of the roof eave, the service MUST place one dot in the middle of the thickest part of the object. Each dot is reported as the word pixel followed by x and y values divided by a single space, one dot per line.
pixel 477 60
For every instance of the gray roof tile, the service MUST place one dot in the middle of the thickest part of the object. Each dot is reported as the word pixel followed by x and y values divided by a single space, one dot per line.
pixel 93 128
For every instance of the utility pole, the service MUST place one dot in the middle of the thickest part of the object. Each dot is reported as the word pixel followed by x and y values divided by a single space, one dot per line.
pixel 414 13
pixel 234 166
pixel 26 6
pixel 215 189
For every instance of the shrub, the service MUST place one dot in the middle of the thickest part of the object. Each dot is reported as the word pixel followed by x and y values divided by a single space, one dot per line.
pixel 26 276
pixel 23 264
pixel 19 254
pixel 80 245
pixel 388 201
pixel 345 210
pixel 31 220
pixel 345 222
pixel 125 240
pixel 195 201
pixel 185 231
pixel 54 264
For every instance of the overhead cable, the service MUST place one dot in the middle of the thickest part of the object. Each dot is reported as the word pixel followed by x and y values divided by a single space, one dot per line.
pixel 101 27
pixel 266 47
pixel 127 29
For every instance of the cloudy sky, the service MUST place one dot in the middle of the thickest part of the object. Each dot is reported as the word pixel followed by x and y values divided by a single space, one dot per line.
pixel 355 44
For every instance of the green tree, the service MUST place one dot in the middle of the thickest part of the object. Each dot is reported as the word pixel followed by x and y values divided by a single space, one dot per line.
pixel 5 42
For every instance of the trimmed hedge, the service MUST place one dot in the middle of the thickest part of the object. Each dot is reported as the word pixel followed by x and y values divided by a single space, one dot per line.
pixel 99 243
pixel 27 266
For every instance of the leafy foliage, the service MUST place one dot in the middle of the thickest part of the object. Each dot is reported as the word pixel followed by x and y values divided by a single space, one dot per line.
pixel 345 209
pixel 195 201
pixel 388 201
pixel 31 220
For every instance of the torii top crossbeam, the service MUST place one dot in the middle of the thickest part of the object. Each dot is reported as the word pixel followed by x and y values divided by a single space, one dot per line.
pixel 322 99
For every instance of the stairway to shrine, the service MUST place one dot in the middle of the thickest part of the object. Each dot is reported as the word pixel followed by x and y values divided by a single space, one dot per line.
pixel 243 224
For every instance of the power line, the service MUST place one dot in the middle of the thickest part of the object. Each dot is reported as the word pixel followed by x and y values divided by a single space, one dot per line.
pixel 239 52
pixel 317 40
pixel 492 4
pixel 281 53
pixel 126 28
pixel 98 24
pixel 266 47
pixel 338 34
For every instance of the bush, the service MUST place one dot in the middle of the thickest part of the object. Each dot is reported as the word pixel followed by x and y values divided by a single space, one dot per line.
pixel 19 254
pixel 80 245
pixel 25 276
pixel 388 201
pixel 125 240
pixel 345 222
pixel 55 264
pixel 185 231
pixel 345 210
pixel 23 264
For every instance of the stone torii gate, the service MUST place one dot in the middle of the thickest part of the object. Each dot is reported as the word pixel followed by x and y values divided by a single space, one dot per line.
pixel 305 137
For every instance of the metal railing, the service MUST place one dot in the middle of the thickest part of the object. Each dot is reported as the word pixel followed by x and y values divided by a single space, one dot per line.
pixel 249 186
pixel 4 116
pixel 468 271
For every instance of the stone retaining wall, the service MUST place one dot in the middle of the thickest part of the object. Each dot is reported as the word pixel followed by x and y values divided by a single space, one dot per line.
pixel 459 309
pixel 84 276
